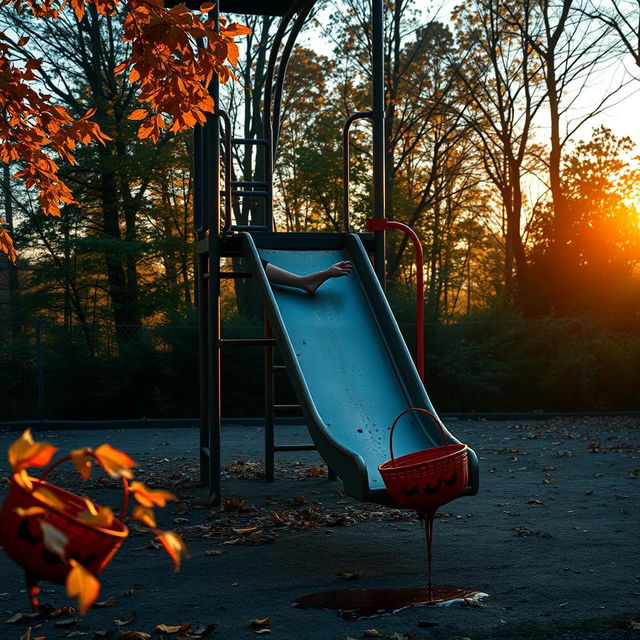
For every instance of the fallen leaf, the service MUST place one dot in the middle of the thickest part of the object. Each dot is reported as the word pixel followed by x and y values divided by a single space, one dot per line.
pixel 234 541
pixel 121 622
pixel 371 633
pixel 315 472
pixel 234 504
pixel 76 634
pixel 261 631
pixel 259 622
pixel 213 552
pixel 67 622
pixel 109 602
pixel 241 532
pixel 203 630
pixel 19 617
pixel 172 628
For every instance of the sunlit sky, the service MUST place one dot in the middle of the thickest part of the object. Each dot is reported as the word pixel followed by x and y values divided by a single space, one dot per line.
pixel 622 115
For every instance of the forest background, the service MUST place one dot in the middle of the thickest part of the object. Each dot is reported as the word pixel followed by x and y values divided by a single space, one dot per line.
pixel 527 206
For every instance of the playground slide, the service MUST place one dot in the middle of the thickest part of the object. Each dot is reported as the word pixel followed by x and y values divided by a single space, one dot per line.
pixel 346 358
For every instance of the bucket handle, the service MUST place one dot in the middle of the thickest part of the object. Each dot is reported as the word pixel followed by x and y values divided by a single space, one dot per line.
pixel 89 452
pixel 431 415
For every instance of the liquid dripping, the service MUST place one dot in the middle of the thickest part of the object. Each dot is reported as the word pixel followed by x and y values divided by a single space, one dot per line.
pixel 427 520
pixel 354 604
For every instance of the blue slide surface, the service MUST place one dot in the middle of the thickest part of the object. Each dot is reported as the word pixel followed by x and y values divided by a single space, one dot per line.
pixel 346 358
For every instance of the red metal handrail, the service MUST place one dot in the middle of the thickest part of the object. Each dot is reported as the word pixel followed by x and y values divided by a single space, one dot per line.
pixel 382 224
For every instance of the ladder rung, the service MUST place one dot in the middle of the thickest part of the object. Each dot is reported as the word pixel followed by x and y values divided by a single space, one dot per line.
pixel 231 275
pixel 245 192
pixel 248 342
pixel 246 140
pixel 295 447
pixel 279 367
pixel 249 183
pixel 286 407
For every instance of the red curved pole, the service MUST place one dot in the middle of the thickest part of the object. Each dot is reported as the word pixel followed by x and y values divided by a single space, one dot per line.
pixel 382 224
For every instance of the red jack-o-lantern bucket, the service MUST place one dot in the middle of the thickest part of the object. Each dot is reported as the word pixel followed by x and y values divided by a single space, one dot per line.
pixel 425 480
pixel 22 536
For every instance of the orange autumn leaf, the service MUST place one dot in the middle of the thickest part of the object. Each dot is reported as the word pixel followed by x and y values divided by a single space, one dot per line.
pixel 174 546
pixel 82 462
pixel 96 515
pixel 48 497
pixel 24 452
pixel 150 497
pixel 30 511
pixel 139 114
pixel 115 463
pixel 6 243
pixel 23 479
pixel 83 584
pixel 144 514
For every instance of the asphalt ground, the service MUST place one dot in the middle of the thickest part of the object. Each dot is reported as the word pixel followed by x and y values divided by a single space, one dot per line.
pixel 552 538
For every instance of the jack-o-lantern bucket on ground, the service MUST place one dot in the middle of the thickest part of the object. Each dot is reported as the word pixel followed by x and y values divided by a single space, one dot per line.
pixel 23 536
pixel 425 480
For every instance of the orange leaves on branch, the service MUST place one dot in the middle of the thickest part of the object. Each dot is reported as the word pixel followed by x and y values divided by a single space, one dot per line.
pixel 144 514
pixel 174 55
pixel 82 462
pixel 33 131
pixel 83 584
pixel 115 463
pixel 24 452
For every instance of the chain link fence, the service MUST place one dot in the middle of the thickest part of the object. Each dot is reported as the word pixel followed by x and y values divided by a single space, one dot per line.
pixel 96 372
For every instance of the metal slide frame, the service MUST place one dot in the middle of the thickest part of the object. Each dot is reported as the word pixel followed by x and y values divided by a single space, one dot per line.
pixel 218 238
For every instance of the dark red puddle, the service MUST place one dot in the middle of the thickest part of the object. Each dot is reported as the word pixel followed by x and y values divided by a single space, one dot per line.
pixel 354 604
